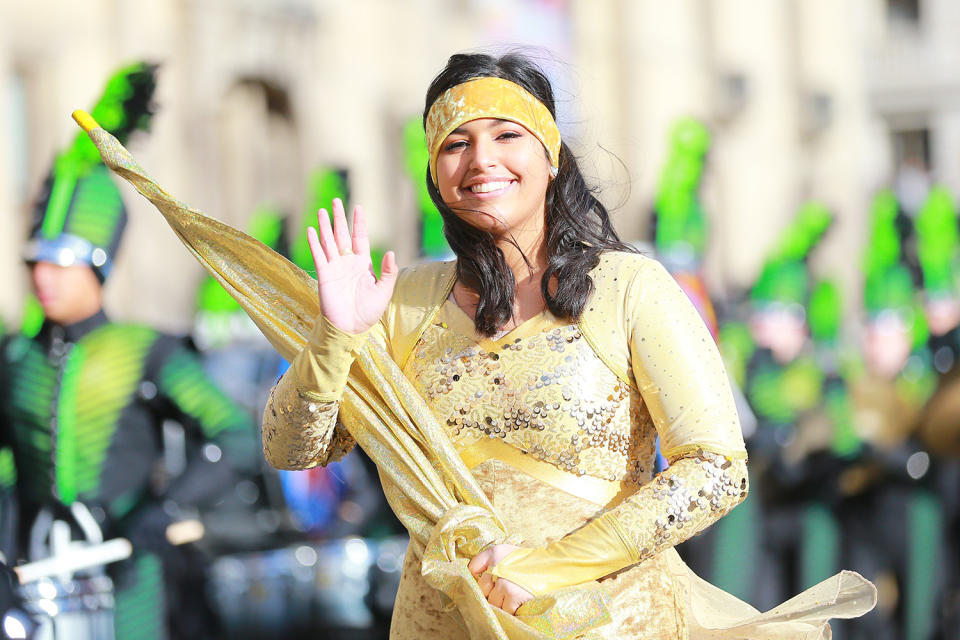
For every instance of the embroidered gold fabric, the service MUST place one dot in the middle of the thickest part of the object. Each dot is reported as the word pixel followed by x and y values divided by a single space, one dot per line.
pixel 313 444
pixel 540 389
pixel 453 513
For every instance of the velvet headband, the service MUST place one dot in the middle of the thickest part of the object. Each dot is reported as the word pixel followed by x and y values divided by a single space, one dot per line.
pixel 490 98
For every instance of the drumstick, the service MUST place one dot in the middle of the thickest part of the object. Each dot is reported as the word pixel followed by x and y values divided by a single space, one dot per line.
pixel 75 560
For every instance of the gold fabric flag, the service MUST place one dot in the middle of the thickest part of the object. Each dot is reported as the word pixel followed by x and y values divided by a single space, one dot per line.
pixel 426 483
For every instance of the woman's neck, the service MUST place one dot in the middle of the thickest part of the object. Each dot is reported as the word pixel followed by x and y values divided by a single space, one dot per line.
pixel 527 261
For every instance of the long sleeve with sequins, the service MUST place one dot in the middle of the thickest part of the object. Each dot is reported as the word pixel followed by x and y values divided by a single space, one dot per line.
pixel 300 427
pixel 680 375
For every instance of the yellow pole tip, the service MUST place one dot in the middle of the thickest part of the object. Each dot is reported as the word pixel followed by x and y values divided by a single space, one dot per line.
pixel 85 120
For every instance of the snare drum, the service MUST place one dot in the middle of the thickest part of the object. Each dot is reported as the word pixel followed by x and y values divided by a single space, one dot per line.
pixel 79 609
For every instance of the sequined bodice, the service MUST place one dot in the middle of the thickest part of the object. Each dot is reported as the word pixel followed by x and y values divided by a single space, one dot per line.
pixel 541 389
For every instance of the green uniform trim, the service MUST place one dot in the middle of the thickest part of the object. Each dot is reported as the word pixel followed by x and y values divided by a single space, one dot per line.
pixel 184 380
pixel 820 546
pixel 66 444
pixel 736 557
pixel 139 601
pixel 925 522
pixel 8 469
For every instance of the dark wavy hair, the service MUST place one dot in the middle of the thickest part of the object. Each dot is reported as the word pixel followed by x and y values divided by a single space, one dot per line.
pixel 578 227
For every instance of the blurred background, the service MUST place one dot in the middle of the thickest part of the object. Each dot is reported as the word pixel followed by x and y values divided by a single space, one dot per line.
pixel 788 160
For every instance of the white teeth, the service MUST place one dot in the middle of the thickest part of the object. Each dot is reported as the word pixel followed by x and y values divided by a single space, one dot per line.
pixel 487 187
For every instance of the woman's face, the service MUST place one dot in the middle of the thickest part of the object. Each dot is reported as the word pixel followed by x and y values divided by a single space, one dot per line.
pixel 494 174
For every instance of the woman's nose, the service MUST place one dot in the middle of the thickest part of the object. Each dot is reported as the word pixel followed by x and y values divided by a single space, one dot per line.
pixel 484 153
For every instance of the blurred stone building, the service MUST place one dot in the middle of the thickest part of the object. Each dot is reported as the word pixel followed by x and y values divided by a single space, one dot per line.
pixel 827 99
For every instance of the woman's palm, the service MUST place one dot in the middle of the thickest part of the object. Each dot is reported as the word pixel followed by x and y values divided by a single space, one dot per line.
pixel 351 298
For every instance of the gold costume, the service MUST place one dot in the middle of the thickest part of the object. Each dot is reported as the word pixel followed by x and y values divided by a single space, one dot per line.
pixel 556 423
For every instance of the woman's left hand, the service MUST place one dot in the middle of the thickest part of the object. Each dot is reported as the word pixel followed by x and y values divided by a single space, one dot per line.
pixel 498 591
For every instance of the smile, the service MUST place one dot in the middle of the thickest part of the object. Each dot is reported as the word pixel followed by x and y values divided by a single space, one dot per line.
pixel 491 187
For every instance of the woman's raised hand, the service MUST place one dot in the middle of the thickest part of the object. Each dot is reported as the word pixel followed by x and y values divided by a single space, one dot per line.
pixel 351 298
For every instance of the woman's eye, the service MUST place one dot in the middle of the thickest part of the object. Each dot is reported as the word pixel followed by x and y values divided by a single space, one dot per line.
pixel 509 134
pixel 456 144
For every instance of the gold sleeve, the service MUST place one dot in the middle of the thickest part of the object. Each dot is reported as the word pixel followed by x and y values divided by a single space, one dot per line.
pixel 681 501
pixel 300 427
pixel 678 369
pixel 680 375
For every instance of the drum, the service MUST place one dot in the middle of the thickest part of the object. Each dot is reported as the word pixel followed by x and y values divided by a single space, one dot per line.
pixel 78 609
pixel 342 586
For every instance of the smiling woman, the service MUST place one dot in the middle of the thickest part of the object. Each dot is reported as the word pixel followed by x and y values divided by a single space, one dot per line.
pixel 563 228
pixel 554 357
pixel 493 174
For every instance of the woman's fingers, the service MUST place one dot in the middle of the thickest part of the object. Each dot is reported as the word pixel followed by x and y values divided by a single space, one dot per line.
pixel 388 277
pixel 507 596
pixel 361 241
pixel 319 259
pixel 496 596
pixel 326 236
pixel 510 605
pixel 486 583
pixel 341 231
pixel 479 563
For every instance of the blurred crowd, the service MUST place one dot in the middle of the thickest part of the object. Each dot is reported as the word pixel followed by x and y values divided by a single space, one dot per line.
pixel 851 412
pixel 850 408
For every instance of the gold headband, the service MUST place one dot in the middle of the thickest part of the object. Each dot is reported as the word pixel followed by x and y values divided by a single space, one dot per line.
pixel 490 98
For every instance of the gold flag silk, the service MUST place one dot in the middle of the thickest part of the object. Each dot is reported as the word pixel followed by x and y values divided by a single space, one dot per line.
pixel 426 482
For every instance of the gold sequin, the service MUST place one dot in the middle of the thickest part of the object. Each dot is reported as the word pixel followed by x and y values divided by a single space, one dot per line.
pixel 312 443
pixel 546 393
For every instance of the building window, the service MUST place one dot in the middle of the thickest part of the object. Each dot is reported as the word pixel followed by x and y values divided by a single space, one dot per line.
pixel 912 167
pixel 904 13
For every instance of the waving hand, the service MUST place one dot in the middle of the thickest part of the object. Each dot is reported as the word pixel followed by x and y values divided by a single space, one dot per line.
pixel 351 297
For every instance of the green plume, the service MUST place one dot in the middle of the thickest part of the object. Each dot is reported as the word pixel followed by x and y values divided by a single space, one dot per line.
pixel 681 221
pixel 804 232
pixel 124 107
pixel 890 288
pixel 825 315
pixel 782 281
pixel 266 225
pixel 784 277
pixel 323 185
pixel 883 245
pixel 416 158
pixel 937 243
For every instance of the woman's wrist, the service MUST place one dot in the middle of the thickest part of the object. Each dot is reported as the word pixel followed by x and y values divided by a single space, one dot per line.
pixel 321 369
pixel 593 551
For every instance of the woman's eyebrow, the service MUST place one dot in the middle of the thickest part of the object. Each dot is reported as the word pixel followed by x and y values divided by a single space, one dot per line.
pixel 496 122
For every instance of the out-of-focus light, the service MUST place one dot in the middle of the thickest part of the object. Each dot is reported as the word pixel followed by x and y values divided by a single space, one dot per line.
pixel 212 452
pixel 307 556
pixel 356 550
pixel 47 590
pixel 918 464
pixel 248 492
pixel 350 512
pixel 268 520
pixel 66 257
pixel 13 627
pixel 49 607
